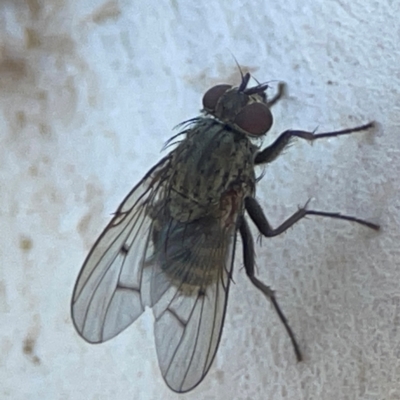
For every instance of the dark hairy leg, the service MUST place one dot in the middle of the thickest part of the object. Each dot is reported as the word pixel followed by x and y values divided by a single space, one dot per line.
pixel 258 217
pixel 271 152
pixel 248 258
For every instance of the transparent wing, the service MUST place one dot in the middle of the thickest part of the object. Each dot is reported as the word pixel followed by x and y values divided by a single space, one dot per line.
pixel 192 266
pixel 180 268
pixel 107 294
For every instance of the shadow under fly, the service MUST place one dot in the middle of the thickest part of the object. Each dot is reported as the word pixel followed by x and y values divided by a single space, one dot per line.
pixel 171 243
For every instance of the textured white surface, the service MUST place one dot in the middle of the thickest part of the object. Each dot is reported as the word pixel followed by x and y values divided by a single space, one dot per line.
pixel 90 91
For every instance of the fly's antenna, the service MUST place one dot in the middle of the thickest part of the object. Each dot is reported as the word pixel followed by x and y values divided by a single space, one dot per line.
pixel 245 77
pixel 238 65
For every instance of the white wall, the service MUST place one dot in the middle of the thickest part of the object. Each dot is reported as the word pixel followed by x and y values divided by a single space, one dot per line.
pixel 90 91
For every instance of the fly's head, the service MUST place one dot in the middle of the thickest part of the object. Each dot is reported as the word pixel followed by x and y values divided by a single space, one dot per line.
pixel 244 109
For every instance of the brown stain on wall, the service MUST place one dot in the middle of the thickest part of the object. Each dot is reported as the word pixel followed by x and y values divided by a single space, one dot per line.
pixel 28 348
pixel 4 306
pixel 25 243
pixel 13 67
pixel 88 225
pixel 32 39
pixel 34 8
pixel 107 11
pixel 29 344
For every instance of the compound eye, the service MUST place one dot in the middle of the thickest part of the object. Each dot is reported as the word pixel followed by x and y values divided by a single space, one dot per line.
pixel 210 99
pixel 255 119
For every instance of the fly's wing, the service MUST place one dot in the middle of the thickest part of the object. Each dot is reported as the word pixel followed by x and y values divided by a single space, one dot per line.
pixel 192 266
pixel 107 294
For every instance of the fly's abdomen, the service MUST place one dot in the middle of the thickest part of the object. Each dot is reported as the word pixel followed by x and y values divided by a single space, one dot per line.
pixel 192 254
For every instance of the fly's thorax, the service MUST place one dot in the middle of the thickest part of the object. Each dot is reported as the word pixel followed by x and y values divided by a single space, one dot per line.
pixel 212 161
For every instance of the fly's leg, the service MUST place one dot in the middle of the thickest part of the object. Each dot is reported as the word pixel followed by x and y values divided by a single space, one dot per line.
pixel 257 215
pixel 248 257
pixel 278 96
pixel 270 153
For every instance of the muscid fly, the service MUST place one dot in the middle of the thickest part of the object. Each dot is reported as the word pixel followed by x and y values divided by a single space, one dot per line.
pixel 171 243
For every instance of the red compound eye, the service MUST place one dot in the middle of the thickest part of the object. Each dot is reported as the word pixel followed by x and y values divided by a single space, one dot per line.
pixel 255 119
pixel 210 99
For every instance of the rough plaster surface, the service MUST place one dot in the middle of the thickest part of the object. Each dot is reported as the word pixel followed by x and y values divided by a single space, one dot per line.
pixel 90 91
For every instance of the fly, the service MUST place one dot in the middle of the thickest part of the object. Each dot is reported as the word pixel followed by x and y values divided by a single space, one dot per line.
pixel 171 243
